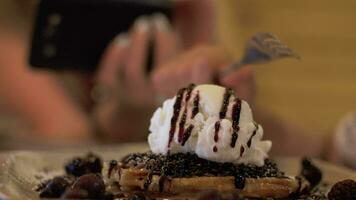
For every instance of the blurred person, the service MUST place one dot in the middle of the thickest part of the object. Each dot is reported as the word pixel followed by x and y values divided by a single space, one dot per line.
pixel 125 96
pixel 342 142
pixel 40 99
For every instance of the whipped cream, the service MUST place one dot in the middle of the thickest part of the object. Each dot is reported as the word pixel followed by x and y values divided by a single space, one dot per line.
pixel 210 121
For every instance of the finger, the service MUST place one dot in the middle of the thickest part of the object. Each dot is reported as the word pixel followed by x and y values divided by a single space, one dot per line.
pixel 195 66
pixel 162 79
pixel 165 39
pixel 215 56
pixel 202 72
pixel 135 65
pixel 112 59
pixel 243 82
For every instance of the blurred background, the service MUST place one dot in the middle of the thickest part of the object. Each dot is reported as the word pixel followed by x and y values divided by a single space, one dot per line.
pixel 314 93
pixel 317 91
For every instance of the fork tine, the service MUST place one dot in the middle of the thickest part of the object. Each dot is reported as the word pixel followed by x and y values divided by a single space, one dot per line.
pixel 262 47
pixel 269 44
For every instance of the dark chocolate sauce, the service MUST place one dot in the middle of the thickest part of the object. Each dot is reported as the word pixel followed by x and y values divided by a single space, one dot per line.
pixel 242 150
pixel 112 166
pixel 176 110
pixel 187 134
pixel 222 114
pixel 249 142
pixel 189 92
pixel 235 115
pixel 195 109
pixel 148 181
pixel 161 181
pixel 233 139
pixel 181 125
pixel 184 115
pixel 225 103
pixel 240 181
pixel 217 128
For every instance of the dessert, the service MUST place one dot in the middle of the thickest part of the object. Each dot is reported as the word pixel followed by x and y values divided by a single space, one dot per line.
pixel 209 127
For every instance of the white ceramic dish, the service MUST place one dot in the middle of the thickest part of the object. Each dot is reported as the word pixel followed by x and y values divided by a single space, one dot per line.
pixel 21 171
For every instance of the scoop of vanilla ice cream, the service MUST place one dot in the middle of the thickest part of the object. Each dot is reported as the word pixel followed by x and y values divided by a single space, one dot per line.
pixel 206 132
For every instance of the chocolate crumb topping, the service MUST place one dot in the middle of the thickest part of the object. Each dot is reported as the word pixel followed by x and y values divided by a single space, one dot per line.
pixel 190 165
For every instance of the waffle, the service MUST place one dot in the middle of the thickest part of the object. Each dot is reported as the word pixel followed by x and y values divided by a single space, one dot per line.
pixel 147 172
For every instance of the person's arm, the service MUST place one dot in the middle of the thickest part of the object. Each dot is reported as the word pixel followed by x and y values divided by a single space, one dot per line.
pixel 36 96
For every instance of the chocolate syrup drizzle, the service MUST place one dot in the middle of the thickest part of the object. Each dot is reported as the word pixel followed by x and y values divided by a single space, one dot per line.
pixel 184 115
pixel 217 128
pixel 176 110
pixel 187 134
pixel 235 115
pixel 148 181
pixel 113 164
pixel 183 135
pixel 249 142
pixel 181 125
pixel 161 181
pixel 242 150
pixel 225 103
pixel 195 109
pixel 222 114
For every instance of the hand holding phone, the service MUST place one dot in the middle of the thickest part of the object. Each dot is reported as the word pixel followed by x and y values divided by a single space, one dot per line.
pixel 72 34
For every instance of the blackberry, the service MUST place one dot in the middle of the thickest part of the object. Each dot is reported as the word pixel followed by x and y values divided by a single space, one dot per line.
pixel 76 167
pixel 88 164
pixel 74 193
pixel 92 183
pixel 94 163
pixel 54 188
pixel 311 172
pixel 343 190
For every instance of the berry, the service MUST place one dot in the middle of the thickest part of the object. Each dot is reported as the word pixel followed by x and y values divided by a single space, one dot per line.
pixel 94 163
pixel 343 190
pixel 92 183
pixel 311 172
pixel 88 164
pixel 76 167
pixel 55 187
pixel 72 193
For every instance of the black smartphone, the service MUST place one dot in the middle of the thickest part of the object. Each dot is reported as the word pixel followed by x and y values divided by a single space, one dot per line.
pixel 72 34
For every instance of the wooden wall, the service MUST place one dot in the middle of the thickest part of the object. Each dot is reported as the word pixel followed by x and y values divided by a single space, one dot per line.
pixel 318 90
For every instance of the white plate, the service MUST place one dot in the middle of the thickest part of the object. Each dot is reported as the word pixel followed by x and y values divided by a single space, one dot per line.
pixel 21 171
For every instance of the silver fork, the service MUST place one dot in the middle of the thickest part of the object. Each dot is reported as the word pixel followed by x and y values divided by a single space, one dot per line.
pixel 261 48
